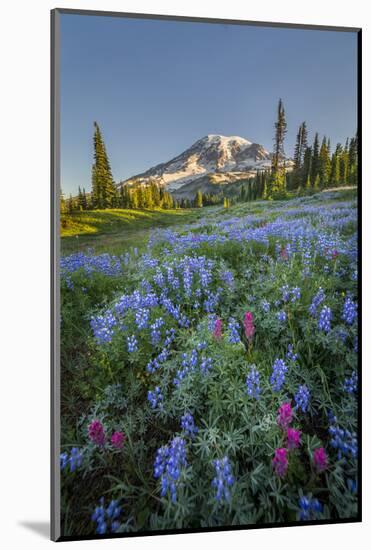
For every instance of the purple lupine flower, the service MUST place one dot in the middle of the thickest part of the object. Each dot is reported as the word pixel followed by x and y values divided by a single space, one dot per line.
pixel 253 383
pixel 349 311
pixel 223 479
pixel 277 379
pixel 351 384
pixel 324 321
pixel 170 459
pixel 187 423
pixel 302 397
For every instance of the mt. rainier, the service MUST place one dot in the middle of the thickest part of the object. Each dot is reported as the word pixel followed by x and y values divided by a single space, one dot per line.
pixel 216 158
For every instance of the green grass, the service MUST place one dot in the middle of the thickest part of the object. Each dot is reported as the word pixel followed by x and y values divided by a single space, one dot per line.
pixel 116 231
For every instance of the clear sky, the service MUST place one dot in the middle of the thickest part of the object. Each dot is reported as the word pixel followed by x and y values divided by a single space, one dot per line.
pixel 155 87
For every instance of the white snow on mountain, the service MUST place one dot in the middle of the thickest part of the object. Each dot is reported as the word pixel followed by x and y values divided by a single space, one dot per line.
pixel 212 154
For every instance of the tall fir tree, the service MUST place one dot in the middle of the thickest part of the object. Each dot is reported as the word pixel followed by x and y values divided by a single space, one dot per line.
pixel 84 199
pixel 70 204
pixel 344 164
pixel 324 164
pixel 103 188
pixel 307 167
pixel 278 159
pixel 335 166
pixel 80 199
pixel 315 159
pixel 353 161
pixel 198 200
pixel 300 146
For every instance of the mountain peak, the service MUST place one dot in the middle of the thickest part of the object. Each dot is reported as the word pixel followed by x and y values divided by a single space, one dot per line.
pixel 232 156
pixel 219 138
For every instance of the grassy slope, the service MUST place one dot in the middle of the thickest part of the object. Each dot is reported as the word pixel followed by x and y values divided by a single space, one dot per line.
pixel 116 231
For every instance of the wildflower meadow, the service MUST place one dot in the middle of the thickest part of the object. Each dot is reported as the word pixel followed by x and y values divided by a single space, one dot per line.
pixel 209 371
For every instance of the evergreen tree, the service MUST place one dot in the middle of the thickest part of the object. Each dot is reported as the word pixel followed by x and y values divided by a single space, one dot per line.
pixel 134 199
pixel 84 200
pixel 307 167
pixel 335 166
pixel 103 187
pixel 344 164
pixel 278 160
pixel 80 199
pixel 324 164
pixel 315 159
pixel 353 161
pixel 317 182
pixel 198 199
pixel 70 204
pixel 300 146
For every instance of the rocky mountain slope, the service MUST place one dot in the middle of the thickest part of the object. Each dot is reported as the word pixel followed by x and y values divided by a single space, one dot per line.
pixel 214 159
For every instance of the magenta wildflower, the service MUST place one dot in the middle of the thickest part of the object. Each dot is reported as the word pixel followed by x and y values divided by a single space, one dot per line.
pixel 285 415
pixel 283 253
pixel 320 459
pixel 293 438
pixel 280 462
pixel 217 329
pixel 248 323
pixel 96 432
pixel 117 439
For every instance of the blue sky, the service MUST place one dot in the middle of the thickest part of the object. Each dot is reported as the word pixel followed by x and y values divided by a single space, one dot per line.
pixel 155 87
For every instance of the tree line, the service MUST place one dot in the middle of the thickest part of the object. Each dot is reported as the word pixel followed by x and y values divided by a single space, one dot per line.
pixel 314 167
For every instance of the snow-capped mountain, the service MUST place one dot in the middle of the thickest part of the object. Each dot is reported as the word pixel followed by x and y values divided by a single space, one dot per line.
pixel 223 159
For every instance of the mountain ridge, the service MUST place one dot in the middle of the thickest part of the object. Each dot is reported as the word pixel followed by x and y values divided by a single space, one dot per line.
pixel 224 159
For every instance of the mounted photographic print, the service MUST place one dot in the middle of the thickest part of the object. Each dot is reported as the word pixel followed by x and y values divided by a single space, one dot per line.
pixel 205 278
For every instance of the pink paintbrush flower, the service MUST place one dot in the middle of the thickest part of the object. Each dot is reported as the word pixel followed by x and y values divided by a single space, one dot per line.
pixel 285 416
pixel 280 462
pixel 217 333
pixel 117 439
pixel 320 459
pixel 248 324
pixel 293 438
pixel 96 432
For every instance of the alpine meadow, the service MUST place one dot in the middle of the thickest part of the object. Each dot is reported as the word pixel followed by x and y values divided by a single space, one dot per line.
pixel 209 304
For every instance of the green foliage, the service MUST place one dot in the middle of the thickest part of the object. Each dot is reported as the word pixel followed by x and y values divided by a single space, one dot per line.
pixel 103 186
pixel 109 383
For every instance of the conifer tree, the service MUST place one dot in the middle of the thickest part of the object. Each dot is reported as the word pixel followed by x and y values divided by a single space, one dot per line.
pixel 198 200
pixel 344 163
pixel 353 161
pixel 70 204
pixel 307 167
pixel 315 159
pixel 324 164
pixel 80 200
pixel 300 146
pixel 84 200
pixel 134 199
pixel 103 187
pixel 278 160
pixel 335 166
